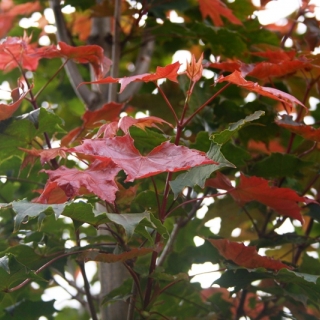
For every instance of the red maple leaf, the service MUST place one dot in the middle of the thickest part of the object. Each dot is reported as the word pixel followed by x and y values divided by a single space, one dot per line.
pixel 92 119
pixel 7 110
pixel 301 129
pixel 16 51
pixel 215 9
pixel 109 112
pixel 272 93
pixel 46 154
pixel 168 72
pixel 92 54
pixel 166 157
pixel 9 11
pixel 225 66
pixel 243 256
pixel 282 200
pixel 97 179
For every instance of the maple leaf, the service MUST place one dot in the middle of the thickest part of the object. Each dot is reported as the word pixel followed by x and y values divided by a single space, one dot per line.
pixel 46 154
pixel 272 93
pixel 10 11
pixel 225 66
pixel 16 51
pixel 215 9
pixel 126 122
pixel 92 119
pixel 301 129
pixel 194 69
pixel 282 200
pixel 166 157
pixel 97 179
pixel 7 110
pixel 168 72
pixel 280 64
pixel 109 112
pixel 92 54
pixel 243 256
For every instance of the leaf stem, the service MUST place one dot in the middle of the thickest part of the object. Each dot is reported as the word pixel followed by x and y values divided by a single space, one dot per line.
pixel 168 103
pixel 47 264
pixel 206 103
pixel 51 78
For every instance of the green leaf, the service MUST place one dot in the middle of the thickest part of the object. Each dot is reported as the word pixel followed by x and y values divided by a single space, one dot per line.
pixel 18 272
pixel 314 211
pixel 199 175
pixel 16 134
pixel 130 221
pixel 278 165
pixel 26 210
pixel 49 122
pixel 225 135
pixel 146 140
pixel 4 263
pixel 30 310
pixel 222 41
pixel 308 284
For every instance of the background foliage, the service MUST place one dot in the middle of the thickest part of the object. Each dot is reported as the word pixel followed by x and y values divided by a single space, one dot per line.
pixel 249 206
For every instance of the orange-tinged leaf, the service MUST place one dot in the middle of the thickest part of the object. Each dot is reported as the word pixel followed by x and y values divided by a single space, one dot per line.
pixel 97 179
pixel 215 9
pixel 168 72
pixel 261 147
pixel 166 157
pixel 301 129
pixel 81 25
pixel 283 200
pixel 238 79
pixel 126 122
pixel 194 69
pixel 7 110
pixel 247 257
pixel 92 54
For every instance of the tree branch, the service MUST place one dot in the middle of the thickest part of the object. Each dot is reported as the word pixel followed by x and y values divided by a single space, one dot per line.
pixel 90 98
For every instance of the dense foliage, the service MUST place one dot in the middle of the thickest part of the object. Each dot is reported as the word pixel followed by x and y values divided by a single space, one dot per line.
pixel 216 163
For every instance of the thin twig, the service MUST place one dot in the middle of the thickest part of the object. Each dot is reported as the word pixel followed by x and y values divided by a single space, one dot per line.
pixel 86 282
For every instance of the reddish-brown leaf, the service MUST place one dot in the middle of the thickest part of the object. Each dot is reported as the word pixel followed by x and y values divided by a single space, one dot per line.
pixel 164 158
pixel 97 179
pixel 7 110
pixel 307 132
pixel 225 66
pixel 272 93
pixel 282 200
pixel 109 112
pixel 51 194
pixel 168 72
pixel 92 54
pixel 243 256
pixel 46 154
pixel 215 9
